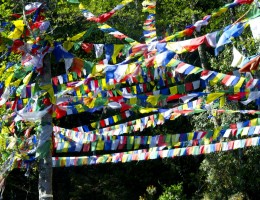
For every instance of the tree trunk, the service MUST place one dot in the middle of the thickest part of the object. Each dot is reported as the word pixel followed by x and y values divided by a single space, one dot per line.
pixel 204 63
pixel 201 49
pixel 45 164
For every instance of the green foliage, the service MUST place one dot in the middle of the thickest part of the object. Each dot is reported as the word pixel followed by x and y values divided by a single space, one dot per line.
pixel 7 8
pixel 229 174
pixel 173 192
pixel 150 192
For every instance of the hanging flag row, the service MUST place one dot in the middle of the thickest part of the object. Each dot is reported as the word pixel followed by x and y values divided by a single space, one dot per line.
pixel 74 141
pixel 159 118
pixel 149 24
pixel 205 20
pixel 146 154
pixel 104 17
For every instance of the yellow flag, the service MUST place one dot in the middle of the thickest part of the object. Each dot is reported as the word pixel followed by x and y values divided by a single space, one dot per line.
pixel 216 79
pixel 185 106
pixel 239 84
pixel 131 68
pixel 18 31
pixel 92 103
pixel 138 124
pixel 25 101
pixel 253 122
pixel 98 69
pixel 11 69
pixel 195 70
pixel 104 83
pixel 70 77
pixel 124 2
pixel 99 160
pixel 147 110
pixel 169 38
pixel 175 116
pixel 115 118
pixel 104 26
pixel 27 78
pixel 16 83
pixel 216 132
pixel 2 69
pixel 93 124
pixel 79 108
pixel 5 130
pixel 81 6
pixel 222 101
pixel 161 118
pixel 219 12
pixel 8 80
pixel 245 131
pixel 68 45
pixel 173 90
pixel 117 49
pixel 124 158
pixel 29 41
pixel 66 146
pixel 100 145
pixel 153 99
pixel 78 36
pixel 213 96
pixel 133 100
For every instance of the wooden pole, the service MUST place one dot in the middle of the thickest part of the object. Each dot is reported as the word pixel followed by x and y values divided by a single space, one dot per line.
pixel 45 163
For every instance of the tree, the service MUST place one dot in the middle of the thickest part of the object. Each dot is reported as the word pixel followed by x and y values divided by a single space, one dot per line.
pixel 122 95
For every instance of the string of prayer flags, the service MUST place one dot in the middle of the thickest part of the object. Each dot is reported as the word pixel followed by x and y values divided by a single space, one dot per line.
pixel 229 32
pixel 63 136
pixel 189 45
pixel 109 129
pixel 145 122
pixel 216 39
pixel 214 77
pixel 90 102
pixel 149 24
pixel 198 24
pixel 105 16
pixel 105 27
pixel 113 73
pixel 212 39
pixel 74 141
pixel 155 153
pixel 250 64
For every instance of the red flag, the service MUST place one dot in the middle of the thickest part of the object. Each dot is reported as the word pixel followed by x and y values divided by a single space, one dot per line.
pixel 87 47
